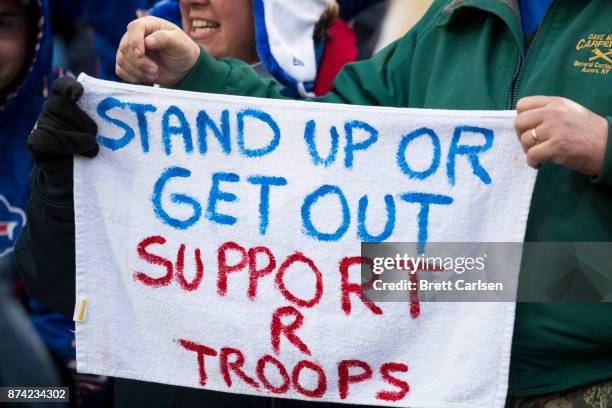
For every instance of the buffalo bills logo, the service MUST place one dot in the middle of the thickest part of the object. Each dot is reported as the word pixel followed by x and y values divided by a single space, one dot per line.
pixel 12 220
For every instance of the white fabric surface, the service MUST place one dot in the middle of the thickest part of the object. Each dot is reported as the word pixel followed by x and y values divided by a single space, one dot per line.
pixel 457 353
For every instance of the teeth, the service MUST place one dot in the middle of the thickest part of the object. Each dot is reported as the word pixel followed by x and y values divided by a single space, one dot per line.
pixel 204 24
pixel 204 30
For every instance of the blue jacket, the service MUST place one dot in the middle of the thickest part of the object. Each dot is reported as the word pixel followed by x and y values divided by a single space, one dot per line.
pixel 17 117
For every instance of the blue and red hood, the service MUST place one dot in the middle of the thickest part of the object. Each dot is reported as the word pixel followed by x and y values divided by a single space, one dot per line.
pixel 18 115
pixel 39 66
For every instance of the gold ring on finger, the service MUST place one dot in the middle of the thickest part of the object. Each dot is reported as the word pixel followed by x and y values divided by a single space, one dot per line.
pixel 534 135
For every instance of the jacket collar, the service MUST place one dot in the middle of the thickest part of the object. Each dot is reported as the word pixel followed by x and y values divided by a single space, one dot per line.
pixel 455 4
pixel 507 10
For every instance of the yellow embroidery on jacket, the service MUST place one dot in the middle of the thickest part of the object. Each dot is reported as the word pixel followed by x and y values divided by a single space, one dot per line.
pixel 595 54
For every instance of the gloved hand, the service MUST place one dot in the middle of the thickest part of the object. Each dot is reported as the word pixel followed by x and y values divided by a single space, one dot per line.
pixel 44 253
pixel 63 129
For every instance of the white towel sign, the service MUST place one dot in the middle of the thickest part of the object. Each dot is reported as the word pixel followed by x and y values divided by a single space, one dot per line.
pixel 218 245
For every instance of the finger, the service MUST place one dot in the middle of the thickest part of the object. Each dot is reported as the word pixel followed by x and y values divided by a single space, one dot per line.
pixel 46 140
pixel 539 154
pixel 147 71
pixel 66 114
pixel 529 119
pixel 68 87
pixel 144 64
pixel 528 141
pixel 169 41
pixel 138 30
pixel 126 68
pixel 135 38
pixel 121 73
pixel 532 102
pixel 124 43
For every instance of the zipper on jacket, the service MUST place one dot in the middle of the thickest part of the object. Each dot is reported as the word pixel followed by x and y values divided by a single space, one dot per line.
pixel 522 62
pixel 511 103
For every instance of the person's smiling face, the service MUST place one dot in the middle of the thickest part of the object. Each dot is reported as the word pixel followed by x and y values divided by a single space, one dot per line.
pixel 225 28
pixel 13 42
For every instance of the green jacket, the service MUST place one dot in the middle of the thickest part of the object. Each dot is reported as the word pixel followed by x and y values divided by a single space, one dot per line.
pixel 470 54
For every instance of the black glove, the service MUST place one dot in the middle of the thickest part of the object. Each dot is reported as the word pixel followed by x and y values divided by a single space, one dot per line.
pixel 44 253
pixel 63 129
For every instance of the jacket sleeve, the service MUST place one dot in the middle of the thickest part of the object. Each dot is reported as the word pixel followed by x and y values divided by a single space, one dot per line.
pixel 605 175
pixel 381 80
pixel 44 252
